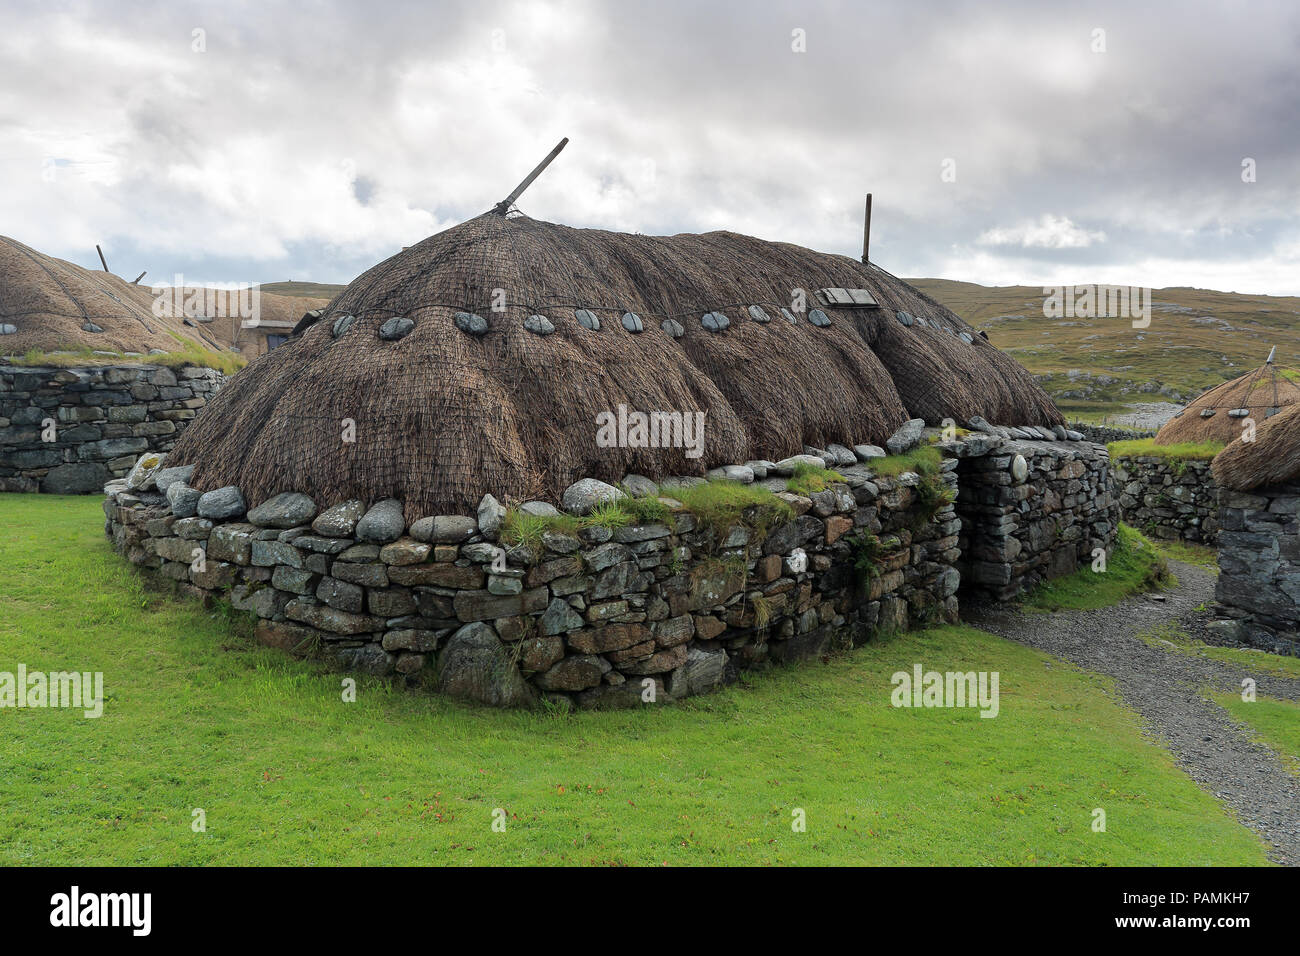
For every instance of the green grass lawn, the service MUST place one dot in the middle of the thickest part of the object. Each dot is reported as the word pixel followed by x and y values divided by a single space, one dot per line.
pixel 1135 565
pixel 198 716
pixel 1173 638
pixel 1275 722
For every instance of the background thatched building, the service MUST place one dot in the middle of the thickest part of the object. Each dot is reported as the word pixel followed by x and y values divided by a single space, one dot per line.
pixel 1258 587
pixel 479 359
pixel 1218 414
pixel 49 304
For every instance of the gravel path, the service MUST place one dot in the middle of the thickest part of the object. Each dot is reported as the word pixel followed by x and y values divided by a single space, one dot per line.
pixel 1164 687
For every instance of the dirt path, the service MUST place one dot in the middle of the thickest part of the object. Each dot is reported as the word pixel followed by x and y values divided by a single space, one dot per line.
pixel 1164 687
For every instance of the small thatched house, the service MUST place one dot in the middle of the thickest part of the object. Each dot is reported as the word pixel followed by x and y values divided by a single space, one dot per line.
pixel 1219 413
pixel 481 358
pixel 49 304
pixel 1259 545
pixel 1273 458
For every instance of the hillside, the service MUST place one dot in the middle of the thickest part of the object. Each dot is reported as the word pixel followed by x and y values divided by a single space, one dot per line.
pixel 303 290
pixel 1096 367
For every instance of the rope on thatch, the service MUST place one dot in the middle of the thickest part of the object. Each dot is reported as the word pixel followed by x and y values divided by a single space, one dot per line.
pixel 443 416
pixel 1273 458
pixel 1259 393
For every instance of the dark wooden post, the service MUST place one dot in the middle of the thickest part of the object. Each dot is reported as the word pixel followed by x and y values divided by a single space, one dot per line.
pixel 504 205
pixel 866 231
pixel 101 257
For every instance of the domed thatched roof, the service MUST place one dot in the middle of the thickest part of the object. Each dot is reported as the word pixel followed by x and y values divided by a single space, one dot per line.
pixel 52 304
pixel 1217 414
pixel 469 400
pixel 1273 458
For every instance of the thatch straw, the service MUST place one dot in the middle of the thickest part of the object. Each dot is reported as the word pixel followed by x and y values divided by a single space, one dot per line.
pixel 1259 391
pixel 442 416
pixel 50 300
pixel 1273 458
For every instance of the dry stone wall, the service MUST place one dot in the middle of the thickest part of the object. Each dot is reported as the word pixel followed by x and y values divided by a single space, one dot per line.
pixel 98 420
pixel 1258 588
pixel 600 618
pixel 622 616
pixel 1031 511
pixel 1167 498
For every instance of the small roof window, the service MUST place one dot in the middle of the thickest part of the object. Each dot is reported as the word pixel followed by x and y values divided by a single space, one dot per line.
pixel 848 298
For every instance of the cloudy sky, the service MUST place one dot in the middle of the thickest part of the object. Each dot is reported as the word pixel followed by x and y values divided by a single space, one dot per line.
pixel 1004 142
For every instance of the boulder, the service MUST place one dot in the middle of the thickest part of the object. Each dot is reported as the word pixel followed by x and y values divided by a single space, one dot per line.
pixel 222 504
pixel 289 509
pixel 164 478
pixel 339 521
pixel 475 665
pixel 868 452
pixel 444 529
pixel 786 466
pixel 143 474
pixel 382 523
pixel 491 513
pixel 907 437
pixel 183 499
pixel 585 495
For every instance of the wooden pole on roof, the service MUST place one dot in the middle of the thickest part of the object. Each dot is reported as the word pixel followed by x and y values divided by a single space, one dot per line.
pixel 1271 353
pixel 866 231
pixel 102 261
pixel 140 276
pixel 504 205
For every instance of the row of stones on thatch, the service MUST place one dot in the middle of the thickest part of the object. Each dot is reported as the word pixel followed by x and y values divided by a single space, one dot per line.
pixel 612 612
pixel 103 418
pixel 1258 588
pixel 711 320
pixel 1168 499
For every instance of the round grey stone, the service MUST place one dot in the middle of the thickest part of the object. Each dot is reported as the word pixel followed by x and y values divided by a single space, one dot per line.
pixel 904 317
pixel 632 322
pixel 343 323
pixel 289 509
pixel 471 324
pixel 819 318
pixel 222 504
pixel 384 522
pixel 587 319
pixel 715 321
pixel 758 315
pixel 539 325
pixel 966 337
pixel 91 327
pixel 1019 468
pixel 789 317
pixel 585 495
pixel 673 328
pixel 395 328
pixel 183 499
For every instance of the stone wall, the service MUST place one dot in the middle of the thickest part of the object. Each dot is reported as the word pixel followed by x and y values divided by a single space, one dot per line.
pixel 1031 511
pixel 594 619
pixel 1166 498
pixel 104 418
pixel 1258 588
pixel 1105 434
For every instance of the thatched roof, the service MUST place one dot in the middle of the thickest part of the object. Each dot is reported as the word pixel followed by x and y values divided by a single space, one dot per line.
pixel 1273 458
pixel 1259 394
pixel 443 416
pixel 52 304
pixel 219 312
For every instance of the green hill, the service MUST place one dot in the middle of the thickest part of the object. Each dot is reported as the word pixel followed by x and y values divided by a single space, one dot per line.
pixel 310 290
pixel 1197 338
